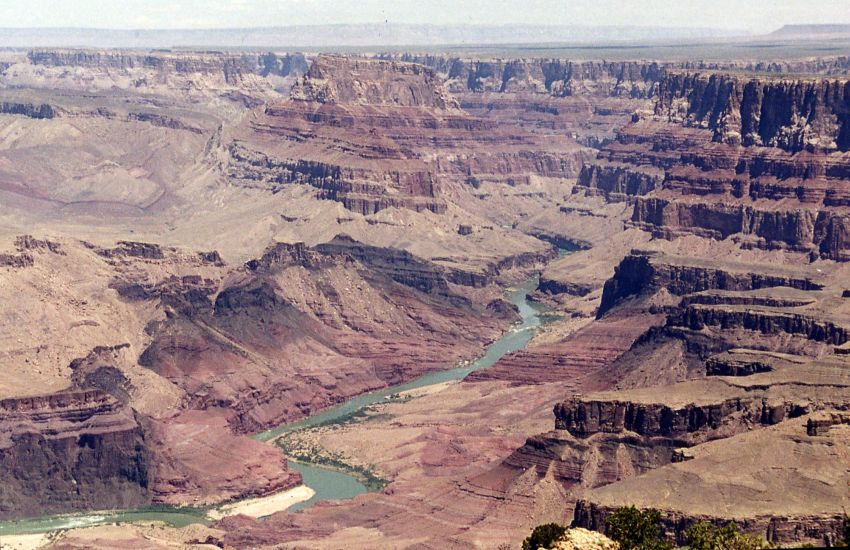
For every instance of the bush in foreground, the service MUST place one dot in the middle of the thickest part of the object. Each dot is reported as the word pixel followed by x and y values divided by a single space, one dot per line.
pixel 572 539
pixel 543 536
pixel 637 529
pixel 707 536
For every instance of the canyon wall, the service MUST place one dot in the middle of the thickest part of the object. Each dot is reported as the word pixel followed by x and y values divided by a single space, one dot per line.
pixel 387 134
pixel 757 159
pixel 644 273
pixel 789 114
pixel 231 65
pixel 565 77
pixel 72 450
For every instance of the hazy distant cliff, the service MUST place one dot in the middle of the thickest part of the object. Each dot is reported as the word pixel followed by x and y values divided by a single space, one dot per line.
pixel 565 77
pixel 792 114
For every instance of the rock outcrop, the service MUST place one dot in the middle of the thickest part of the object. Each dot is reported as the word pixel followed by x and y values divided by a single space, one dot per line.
pixel 399 265
pixel 789 114
pixel 583 418
pixel 644 273
pixel 582 539
pixel 384 134
pixel 758 160
pixel 71 450
pixel 612 181
pixel 332 79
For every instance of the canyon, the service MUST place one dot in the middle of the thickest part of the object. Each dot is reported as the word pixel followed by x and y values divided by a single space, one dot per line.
pixel 199 246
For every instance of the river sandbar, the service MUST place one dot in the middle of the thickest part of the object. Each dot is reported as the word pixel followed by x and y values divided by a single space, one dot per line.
pixel 264 506
pixel 24 542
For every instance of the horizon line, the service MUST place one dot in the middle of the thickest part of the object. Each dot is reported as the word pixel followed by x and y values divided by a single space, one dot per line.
pixel 434 25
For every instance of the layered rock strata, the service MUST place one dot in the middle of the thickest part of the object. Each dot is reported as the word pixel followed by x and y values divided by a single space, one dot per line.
pixel 643 273
pixel 759 160
pixel 613 78
pixel 71 450
pixel 780 518
pixel 375 134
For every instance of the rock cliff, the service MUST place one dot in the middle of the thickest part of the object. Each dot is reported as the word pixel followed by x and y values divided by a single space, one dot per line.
pixel 230 65
pixel 345 80
pixel 644 273
pixel 386 134
pixel 789 114
pixel 71 450
pixel 630 78
pixel 759 160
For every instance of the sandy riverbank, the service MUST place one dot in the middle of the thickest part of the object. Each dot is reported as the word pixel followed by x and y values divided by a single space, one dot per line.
pixel 264 506
pixel 24 542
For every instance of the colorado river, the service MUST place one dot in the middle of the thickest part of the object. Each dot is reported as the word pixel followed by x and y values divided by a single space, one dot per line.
pixel 176 517
pixel 328 484
pixel 331 484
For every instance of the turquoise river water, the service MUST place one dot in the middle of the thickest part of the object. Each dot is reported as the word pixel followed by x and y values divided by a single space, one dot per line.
pixel 328 484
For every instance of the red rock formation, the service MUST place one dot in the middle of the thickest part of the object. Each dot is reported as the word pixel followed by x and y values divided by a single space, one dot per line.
pixel 200 461
pixel 71 450
pixel 338 79
pixel 580 354
pixel 583 418
pixel 644 273
pixel 296 302
pixel 377 134
pixel 616 181
pixel 760 159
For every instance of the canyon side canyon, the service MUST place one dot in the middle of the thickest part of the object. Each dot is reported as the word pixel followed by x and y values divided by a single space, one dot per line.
pixel 198 246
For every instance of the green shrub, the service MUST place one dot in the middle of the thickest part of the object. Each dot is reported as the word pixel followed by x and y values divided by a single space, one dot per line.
pixel 543 536
pixel 706 536
pixel 637 530
pixel 701 536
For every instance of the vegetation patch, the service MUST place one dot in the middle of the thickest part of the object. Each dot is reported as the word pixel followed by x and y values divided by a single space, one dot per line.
pixel 634 529
pixel 296 446
pixel 544 536
pixel 363 414
pixel 707 536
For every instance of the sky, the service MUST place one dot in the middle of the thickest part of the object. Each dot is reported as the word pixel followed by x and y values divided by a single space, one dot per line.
pixel 752 15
